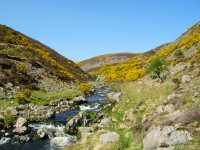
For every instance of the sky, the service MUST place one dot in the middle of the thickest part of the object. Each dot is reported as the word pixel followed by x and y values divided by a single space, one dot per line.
pixel 81 29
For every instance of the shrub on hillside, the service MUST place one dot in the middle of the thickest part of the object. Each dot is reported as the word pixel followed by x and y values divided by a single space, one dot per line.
pixel 178 53
pixel 22 67
pixel 21 99
pixel 157 66
pixel 26 92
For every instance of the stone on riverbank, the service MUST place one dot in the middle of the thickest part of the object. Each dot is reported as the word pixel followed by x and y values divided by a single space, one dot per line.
pixel 165 137
pixel 109 137
pixel 115 96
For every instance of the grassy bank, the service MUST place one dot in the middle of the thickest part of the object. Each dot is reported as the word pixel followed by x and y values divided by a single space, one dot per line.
pixel 41 98
pixel 137 102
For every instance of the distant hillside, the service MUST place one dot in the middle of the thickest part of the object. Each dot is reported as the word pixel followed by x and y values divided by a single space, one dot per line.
pixel 25 61
pixel 187 45
pixel 97 62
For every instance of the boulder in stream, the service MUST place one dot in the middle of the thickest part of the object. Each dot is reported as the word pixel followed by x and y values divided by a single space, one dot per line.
pixel 21 126
pixel 61 142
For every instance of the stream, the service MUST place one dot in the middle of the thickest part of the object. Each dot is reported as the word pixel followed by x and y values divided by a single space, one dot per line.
pixel 54 127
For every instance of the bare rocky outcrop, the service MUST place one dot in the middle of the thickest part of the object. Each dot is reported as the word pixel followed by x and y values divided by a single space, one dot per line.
pixel 165 136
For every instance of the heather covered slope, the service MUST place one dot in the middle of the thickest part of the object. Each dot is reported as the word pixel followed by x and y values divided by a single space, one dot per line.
pixel 18 45
pixel 97 62
pixel 183 49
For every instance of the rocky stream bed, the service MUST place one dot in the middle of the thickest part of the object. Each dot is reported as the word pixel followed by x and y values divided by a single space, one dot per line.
pixel 52 133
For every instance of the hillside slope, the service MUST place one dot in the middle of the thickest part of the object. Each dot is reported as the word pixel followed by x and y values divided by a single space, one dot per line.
pixel 97 62
pixel 186 45
pixel 28 63
pixel 152 113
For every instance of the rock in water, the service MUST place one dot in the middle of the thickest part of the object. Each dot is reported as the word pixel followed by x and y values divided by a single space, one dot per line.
pixel 21 126
pixel 165 137
pixel 109 137
pixel 41 133
pixel 61 142
pixel 23 139
pixel 50 113
pixel 80 98
pixel 21 130
pixel 21 122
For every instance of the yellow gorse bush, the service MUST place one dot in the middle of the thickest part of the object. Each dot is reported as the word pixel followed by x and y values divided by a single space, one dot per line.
pixel 134 68
pixel 22 67
pixel 26 92
pixel 129 70
pixel 85 88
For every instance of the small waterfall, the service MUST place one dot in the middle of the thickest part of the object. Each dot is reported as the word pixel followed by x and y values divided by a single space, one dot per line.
pixel 57 135
pixel 4 140
pixel 83 107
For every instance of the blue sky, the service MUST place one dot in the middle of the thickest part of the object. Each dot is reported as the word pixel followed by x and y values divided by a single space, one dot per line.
pixel 81 29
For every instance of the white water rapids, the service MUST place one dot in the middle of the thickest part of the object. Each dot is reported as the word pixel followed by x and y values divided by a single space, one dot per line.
pixel 4 140
pixel 57 135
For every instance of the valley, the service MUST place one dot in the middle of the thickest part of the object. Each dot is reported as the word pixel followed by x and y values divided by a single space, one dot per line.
pixel 122 101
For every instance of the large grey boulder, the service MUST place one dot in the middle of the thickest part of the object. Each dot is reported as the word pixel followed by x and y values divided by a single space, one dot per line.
pixel 21 126
pixel 61 142
pixel 186 78
pixel 21 122
pixel 178 67
pixel 165 137
pixel 21 130
pixel 109 137
pixel 115 96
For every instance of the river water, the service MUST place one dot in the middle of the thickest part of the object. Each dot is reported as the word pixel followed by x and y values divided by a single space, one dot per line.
pixel 54 127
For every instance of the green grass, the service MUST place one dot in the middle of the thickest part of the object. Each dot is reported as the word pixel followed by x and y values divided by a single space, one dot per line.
pixel 41 98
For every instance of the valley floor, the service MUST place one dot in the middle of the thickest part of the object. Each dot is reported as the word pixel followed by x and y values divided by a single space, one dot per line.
pixel 146 106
